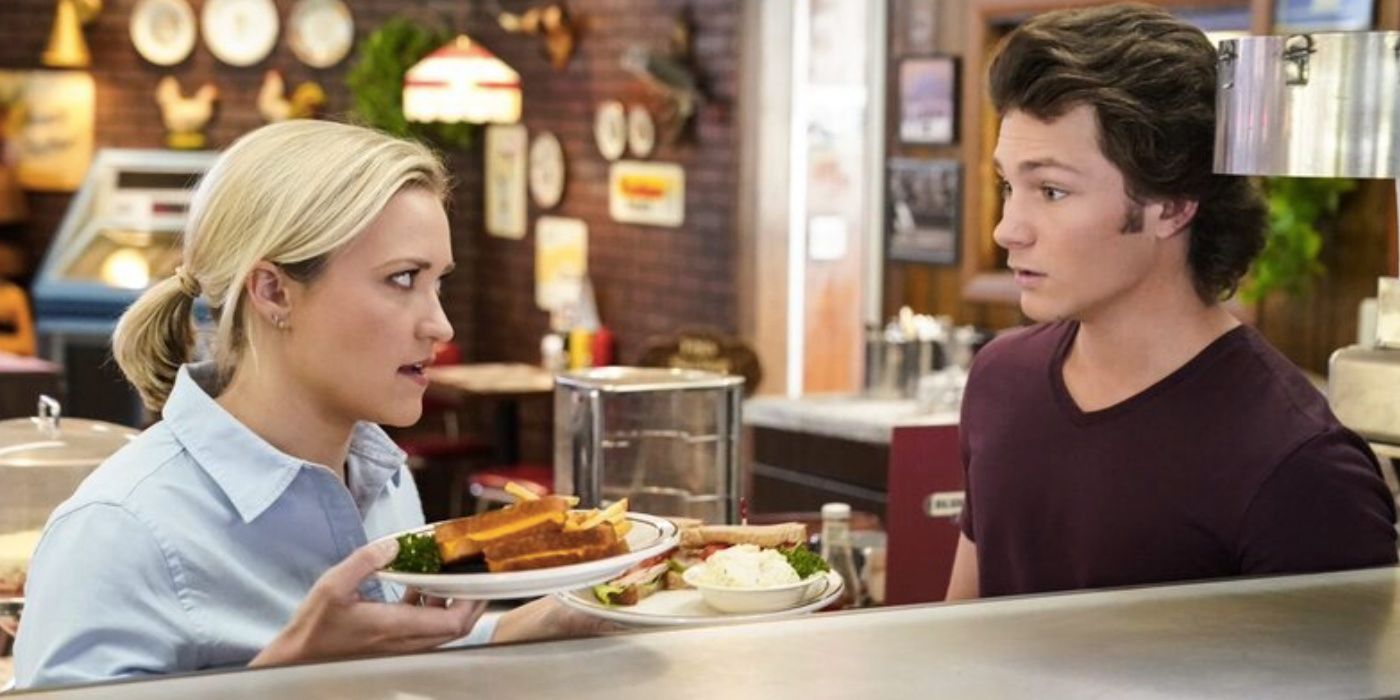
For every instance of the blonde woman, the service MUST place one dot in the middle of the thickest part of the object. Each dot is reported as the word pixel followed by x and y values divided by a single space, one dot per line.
pixel 234 531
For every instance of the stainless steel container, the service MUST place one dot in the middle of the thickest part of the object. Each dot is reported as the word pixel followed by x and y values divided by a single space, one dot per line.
pixel 1309 105
pixel 893 367
pixel 666 439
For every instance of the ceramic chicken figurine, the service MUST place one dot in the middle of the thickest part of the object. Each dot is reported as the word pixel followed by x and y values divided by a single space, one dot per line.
pixel 557 31
pixel 185 117
pixel 306 100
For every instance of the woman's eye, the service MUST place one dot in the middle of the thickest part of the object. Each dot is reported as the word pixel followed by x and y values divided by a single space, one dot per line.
pixel 1053 194
pixel 1004 187
pixel 403 279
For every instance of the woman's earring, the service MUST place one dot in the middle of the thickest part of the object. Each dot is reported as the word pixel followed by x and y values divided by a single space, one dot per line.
pixel 280 321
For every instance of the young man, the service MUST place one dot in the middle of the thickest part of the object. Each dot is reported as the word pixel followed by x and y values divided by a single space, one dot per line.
pixel 1139 434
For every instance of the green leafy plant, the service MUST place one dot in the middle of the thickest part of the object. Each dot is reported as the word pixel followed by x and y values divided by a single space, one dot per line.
pixel 376 81
pixel 1289 260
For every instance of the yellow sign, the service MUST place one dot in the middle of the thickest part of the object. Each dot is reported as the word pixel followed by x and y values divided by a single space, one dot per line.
pixel 647 193
pixel 50 127
pixel 561 261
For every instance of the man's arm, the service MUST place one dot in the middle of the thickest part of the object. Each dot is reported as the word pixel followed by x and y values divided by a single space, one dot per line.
pixel 963 583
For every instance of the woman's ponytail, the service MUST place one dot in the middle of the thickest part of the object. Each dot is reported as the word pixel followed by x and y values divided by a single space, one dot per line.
pixel 153 338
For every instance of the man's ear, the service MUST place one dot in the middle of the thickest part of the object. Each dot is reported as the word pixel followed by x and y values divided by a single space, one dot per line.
pixel 269 292
pixel 1176 216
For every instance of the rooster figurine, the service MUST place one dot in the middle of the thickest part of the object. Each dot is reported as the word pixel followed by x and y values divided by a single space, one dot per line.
pixel 185 117
pixel 557 31
pixel 306 100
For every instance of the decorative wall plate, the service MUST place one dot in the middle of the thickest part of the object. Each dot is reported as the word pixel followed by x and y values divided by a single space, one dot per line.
pixel 610 129
pixel 239 32
pixel 641 131
pixel 546 170
pixel 321 32
pixel 163 31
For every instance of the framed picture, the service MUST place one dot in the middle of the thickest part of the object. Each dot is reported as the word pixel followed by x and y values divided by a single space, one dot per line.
pixel 928 100
pixel 922 202
pixel 506 153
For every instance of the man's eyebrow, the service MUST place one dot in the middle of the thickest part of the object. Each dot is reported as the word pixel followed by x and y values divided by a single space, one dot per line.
pixel 1038 164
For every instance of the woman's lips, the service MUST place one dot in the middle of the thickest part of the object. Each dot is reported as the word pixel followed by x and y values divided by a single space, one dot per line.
pixel 1027 279
pixel 414 373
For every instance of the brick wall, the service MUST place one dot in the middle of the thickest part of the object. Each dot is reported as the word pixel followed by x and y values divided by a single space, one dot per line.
pixel 648 281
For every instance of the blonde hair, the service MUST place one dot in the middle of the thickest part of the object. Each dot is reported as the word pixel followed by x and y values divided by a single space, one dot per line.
pixel 291 193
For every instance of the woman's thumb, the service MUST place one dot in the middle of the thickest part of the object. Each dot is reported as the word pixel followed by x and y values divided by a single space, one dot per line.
pixel 346 576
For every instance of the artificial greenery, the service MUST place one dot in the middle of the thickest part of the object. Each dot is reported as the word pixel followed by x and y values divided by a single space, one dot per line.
pixel 376 81
pixel 1289 260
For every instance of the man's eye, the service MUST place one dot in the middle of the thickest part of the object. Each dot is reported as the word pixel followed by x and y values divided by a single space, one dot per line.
pixel 403 279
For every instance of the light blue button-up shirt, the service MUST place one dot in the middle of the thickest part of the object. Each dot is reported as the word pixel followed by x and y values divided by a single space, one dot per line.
pixel 192 546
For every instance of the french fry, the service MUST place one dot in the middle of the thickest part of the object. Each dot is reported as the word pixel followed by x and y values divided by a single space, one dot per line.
pixel 616 509
pixel 622 528
pixel 520 492
pixel 606 515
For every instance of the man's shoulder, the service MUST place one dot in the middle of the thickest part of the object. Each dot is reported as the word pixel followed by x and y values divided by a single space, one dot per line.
pixel 1267 385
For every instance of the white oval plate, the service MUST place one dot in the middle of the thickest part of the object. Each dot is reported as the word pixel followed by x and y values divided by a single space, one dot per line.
pixel 163 31
pixel 240 32
pixel 649 537
pixel 321 32
pixel 675 608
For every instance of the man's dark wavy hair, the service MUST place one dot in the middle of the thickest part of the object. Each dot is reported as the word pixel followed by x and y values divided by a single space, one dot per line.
pixel 1151 81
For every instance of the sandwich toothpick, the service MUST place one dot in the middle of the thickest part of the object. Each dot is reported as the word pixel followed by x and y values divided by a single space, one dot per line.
pixel 743 510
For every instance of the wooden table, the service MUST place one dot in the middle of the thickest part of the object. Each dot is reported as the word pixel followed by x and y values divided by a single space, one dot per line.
pixel 505 384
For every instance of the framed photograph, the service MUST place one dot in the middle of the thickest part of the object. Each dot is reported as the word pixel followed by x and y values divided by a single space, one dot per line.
pixel 928 100
pixel 922 201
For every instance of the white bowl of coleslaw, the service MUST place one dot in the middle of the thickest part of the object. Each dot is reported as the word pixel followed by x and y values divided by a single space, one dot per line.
pixel 746 579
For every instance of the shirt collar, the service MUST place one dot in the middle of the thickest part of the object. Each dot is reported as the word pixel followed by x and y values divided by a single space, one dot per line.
pixel 250 471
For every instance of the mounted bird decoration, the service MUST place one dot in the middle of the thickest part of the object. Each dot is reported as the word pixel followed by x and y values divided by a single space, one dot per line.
pixel 674 76
pixel 557 30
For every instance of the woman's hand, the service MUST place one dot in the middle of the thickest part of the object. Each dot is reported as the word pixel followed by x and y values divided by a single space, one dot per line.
pixel 334 622
pixel 547 618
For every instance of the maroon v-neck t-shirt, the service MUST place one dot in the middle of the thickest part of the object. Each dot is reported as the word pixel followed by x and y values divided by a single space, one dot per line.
pixel 1232 465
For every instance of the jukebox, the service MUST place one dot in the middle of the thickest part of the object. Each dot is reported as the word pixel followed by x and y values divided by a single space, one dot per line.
pixel 120 235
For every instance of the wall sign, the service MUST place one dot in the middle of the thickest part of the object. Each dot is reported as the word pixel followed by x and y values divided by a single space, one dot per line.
pixel 51 127
pixel 561 261
pixel 506 147
pixel 646 193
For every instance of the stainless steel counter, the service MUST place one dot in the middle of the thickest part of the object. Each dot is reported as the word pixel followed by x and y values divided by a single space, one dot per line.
pixel 1328 635
pixel 855 418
